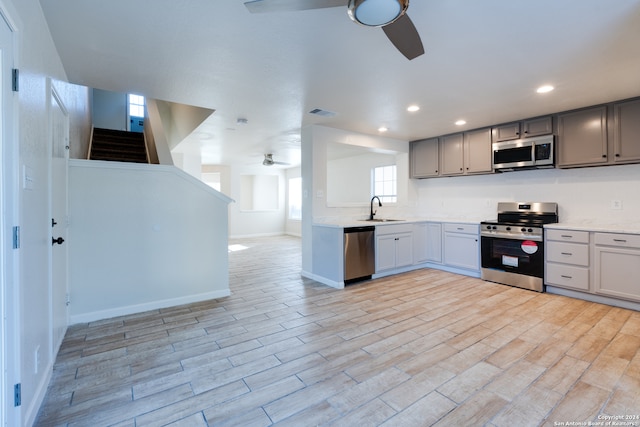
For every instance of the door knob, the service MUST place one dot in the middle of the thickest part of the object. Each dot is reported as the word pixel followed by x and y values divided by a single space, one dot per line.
pixel 59 241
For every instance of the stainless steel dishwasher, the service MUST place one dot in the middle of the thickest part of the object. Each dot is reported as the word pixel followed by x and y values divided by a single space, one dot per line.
pixel 359 253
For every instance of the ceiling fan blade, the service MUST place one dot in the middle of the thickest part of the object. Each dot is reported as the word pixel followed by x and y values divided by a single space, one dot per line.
pixel 405 37
pixel 260 6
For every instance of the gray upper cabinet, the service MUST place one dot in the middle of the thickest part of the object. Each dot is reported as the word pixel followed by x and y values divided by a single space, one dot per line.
pixel 506 132
pixel 601 135
pixel 626 132
pixel 451 154
pixel 523 129
pixel 424 155
pixel 477 151
pixel 582 137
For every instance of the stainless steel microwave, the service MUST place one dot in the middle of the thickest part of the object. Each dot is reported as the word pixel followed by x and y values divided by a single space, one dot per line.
pixel 537 152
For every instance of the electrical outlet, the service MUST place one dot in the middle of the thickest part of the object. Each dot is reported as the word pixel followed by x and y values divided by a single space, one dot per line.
pixel 616 204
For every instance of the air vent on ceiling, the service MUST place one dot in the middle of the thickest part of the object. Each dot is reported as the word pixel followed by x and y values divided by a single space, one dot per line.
pixel 321 112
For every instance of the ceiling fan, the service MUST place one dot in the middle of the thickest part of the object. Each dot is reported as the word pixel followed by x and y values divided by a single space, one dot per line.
pixel 388 14
pixel 268 160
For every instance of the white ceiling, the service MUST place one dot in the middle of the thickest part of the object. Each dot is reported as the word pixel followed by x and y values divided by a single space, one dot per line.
pixel 483 62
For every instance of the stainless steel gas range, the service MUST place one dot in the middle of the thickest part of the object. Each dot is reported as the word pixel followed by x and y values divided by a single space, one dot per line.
pixel 512 248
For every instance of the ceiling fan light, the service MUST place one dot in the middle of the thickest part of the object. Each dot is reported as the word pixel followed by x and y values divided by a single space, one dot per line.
pixel 376 13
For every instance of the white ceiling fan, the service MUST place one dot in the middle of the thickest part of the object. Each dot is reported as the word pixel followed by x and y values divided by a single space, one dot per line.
pixel 268 160
pixel 388 14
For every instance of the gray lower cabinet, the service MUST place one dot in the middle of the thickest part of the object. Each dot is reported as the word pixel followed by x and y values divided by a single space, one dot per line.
pixel 567 259
pixel 394 247
pixel 626 132
pixel 425 158
pixel 617 265
pixel 462 246
pixel 427 242
pixel 582 137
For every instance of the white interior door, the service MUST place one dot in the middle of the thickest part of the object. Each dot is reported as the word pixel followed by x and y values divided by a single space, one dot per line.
pixel 9 289
pixel 59 120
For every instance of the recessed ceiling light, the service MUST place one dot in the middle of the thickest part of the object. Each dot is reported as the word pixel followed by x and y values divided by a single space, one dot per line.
pixel 413 108
pixel 461 122
pixel 545 89
pixel 382 129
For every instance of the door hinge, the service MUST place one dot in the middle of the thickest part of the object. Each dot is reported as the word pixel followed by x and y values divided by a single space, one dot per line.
pixel 15 79
pixel 17 394
pixel 16 237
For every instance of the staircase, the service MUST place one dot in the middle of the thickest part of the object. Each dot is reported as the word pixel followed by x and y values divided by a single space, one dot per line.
pixel 118 146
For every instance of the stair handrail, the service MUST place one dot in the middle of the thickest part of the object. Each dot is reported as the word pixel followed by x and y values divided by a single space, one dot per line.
pixel 146 147
pixel 90 143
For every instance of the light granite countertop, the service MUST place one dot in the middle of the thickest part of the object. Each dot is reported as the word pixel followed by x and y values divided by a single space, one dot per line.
pixel 597 226
pixel 350 222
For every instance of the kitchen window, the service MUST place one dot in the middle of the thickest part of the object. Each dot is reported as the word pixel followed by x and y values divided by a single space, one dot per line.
pixel 385 183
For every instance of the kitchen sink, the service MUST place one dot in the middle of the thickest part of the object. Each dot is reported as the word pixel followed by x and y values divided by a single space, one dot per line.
pixel 381 220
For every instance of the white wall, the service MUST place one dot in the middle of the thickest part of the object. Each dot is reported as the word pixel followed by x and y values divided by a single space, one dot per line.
pixel 110 110
pixel 349 178
pixel 316 145
pixel 143 237
pixel 292 226
pixel 244 223
pixel 38 61
pixel 314 182
pixel 583 194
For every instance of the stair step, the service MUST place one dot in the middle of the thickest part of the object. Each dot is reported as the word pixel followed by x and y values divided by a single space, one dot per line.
pixel 120 146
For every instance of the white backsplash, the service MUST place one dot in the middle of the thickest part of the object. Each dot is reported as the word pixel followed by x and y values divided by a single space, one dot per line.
pixel 583 194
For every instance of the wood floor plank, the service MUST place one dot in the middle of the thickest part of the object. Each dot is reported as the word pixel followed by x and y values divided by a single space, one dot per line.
pixel 581 404
pixel 421 348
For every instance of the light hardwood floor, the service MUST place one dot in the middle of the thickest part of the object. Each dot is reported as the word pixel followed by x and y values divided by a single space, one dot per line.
pixel 417 349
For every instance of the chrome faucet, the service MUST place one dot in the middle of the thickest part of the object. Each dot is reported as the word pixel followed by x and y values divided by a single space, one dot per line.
pixel 371 212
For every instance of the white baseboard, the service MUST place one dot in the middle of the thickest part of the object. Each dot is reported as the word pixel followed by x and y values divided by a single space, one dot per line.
pixel 250 236
pixel 323 280
pixel 152 305
pixel 601 299
pixel 31 413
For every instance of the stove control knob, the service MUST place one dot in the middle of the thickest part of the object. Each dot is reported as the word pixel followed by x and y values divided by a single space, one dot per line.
pixel 508 228
pixel 488 227
pixel 494 227
pixel 523 229
pixel 530 230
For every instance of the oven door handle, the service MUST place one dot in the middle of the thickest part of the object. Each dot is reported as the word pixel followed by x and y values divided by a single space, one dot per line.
pixel 506 236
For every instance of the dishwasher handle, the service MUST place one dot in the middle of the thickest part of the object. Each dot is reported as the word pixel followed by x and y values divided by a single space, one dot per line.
pixel 359 229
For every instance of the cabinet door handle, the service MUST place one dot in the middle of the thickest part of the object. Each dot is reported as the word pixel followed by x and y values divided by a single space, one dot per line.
pixel 566 277
pixel 620 240
pixel 566 236
pixel 460 228
pixel 566 253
